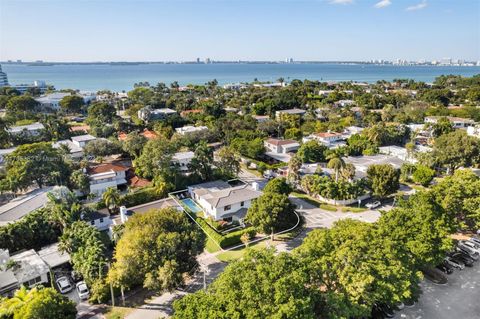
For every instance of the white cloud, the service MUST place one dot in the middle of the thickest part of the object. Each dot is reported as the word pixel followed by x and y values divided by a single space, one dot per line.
pixel 341 1
pixel 419 6
pixel 383 4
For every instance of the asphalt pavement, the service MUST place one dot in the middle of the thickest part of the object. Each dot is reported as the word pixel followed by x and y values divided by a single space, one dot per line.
pixel 458 299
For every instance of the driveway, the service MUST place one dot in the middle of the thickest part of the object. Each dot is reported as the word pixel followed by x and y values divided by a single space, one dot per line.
pixel 459 298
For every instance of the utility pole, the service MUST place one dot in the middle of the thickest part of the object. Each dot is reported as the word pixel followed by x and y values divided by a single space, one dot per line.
pixel 111 289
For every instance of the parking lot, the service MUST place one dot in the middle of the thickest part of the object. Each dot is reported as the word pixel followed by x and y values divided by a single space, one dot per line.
pixel 319 218
pixel 459 298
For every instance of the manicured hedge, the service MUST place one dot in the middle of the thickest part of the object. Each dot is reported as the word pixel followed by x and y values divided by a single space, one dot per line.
pixel 142 196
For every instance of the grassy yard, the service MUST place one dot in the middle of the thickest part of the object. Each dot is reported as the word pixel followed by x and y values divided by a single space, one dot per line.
pixel 331 208
pixel 117 312
pixel 211 246
pixel 232 255
pixel 254 172
pixel 349 209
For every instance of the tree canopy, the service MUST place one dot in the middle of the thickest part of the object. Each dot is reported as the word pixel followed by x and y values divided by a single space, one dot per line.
pixel 155 250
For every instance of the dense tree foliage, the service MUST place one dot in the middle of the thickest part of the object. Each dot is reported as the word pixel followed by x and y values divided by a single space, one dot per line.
pixel 37 303
pixel 269 287
pixel 278 185
pixel 155 250
pixel 39 163
pixel 270 212
pixel 383 179
pixel 456 149
pixel 312 152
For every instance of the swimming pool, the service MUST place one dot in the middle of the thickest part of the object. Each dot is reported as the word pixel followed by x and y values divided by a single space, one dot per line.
pixel 192 206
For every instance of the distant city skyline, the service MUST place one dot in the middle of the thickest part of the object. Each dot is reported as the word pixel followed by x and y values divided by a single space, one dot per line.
pixel 220 30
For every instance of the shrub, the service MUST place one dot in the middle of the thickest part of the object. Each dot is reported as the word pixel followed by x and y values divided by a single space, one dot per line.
pixel 423 175
pixel 227 240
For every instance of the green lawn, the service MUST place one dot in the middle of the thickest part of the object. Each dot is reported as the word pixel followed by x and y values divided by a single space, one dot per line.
pixel 331 208
pixel 328 207
pixel 350 209
pixel 117 312
pixel 211 246
pixel 232 255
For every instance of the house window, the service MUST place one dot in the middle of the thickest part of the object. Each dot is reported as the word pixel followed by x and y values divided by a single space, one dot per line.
pixel 92 222
pixel 34 281
pixel 101 220
pixel 228 207
pixel 242 204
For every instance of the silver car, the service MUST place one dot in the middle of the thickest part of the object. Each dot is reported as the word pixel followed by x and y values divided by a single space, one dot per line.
pixel 473 253
pixel 453 263
pixel 82 290
pixel 64 285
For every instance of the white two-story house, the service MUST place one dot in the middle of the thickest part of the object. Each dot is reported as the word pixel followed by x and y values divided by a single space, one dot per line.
pixel 280 146
pixel 327 137
pixel 457 122
pixel 223 201
pixel 104 176
pixel 182 160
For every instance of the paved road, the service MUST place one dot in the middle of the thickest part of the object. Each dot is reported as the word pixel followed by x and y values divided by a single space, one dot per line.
pixel 319 218
pixel 459 298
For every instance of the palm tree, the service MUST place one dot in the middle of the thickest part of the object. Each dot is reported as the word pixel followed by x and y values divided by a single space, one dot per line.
pixel 348 172
pixel 375 133
pixel 9 306
pixel 294 166
pixel 111 198
pixel 336 163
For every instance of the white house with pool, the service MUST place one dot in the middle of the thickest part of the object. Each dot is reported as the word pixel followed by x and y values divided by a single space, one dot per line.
pixel 228 201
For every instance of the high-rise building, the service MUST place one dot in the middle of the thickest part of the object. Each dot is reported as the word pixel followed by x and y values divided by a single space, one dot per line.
pixel 3 78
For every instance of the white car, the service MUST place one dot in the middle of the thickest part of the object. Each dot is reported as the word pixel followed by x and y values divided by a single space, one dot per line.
pixel 82 290
pixel 373 205
pixel 64 284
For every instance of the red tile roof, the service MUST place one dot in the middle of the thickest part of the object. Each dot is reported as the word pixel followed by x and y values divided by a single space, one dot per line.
pixel 136 181
pixel 102 168
pixel 277 142
pixel 327 134
pixel 186 112
pixel 80 128
pixel 122 136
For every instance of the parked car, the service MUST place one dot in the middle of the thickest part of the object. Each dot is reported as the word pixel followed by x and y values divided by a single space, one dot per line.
pixel 475 239
pixel 455 264
pixel 373 205
pixel 82 290
pixel 475 242
pixel 462 257
pixel 445 268
pixel 382 311
pixel 471 252
pixel 435 276
pixel 64 285
pixel 470 244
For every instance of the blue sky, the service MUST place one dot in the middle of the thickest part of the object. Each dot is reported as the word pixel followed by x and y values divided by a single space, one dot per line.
pixel 124 30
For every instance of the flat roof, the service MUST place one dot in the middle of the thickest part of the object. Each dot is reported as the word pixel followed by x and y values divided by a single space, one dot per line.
pixel 7 278
pixel 53 257
pixel 363 162
pixel 83 138
pixel 29 127
pixel 31 265
pixel 183 155
pixel 23 205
